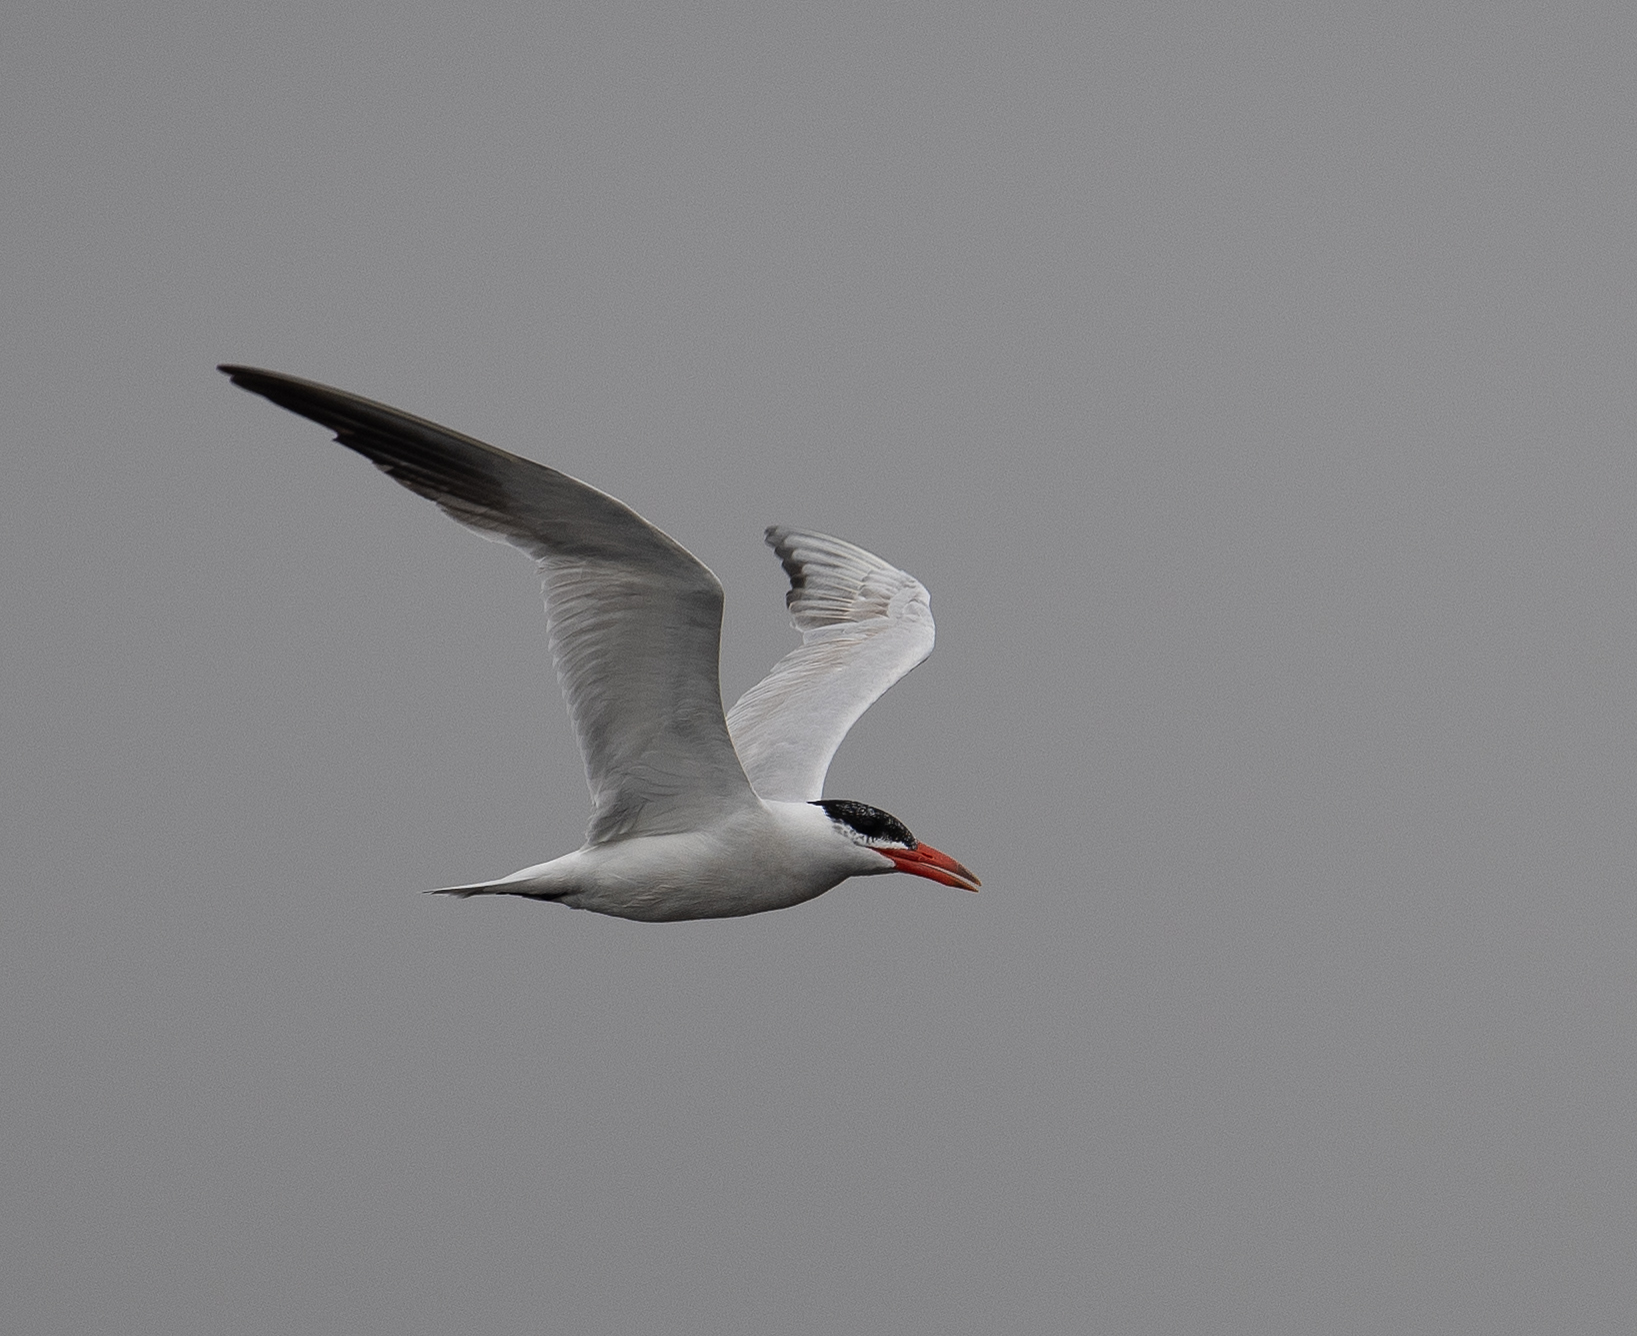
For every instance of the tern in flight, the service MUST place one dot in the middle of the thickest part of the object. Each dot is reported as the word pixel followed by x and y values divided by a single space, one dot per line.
pixel 695 813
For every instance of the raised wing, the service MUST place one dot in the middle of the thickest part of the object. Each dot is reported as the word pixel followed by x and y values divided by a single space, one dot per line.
pixel 635 619
pixel 863 624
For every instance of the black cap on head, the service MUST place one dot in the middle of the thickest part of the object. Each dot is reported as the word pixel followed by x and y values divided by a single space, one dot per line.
pixel 870 822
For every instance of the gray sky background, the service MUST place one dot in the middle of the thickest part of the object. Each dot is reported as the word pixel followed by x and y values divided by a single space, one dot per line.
pixel 1251 385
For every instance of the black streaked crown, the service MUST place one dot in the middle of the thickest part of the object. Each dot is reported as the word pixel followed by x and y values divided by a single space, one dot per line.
pixel 870 822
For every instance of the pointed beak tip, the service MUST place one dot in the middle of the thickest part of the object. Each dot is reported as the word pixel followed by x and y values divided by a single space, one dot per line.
pixel 935 865
pixel 963 874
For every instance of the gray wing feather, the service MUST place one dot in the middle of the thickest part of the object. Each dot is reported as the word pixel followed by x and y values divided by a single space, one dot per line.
pixel 863 624
pixel 635 619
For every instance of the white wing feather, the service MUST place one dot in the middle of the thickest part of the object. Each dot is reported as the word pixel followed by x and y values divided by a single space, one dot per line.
pixel 863 624
pixel 635 619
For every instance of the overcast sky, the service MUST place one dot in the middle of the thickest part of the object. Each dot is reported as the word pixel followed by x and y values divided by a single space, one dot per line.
pixel 1251 384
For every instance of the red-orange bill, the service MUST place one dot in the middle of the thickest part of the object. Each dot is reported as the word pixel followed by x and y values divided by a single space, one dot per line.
pixel 925 861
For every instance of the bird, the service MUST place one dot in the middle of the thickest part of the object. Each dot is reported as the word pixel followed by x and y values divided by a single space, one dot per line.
pixel 697 813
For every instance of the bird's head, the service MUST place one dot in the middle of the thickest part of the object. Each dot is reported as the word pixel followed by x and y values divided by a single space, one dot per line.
pixel 871 828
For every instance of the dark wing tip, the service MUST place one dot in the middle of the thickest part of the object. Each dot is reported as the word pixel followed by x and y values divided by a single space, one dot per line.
pixel 777 537
pixel 321 403
pixel 243 375
pixel 298 395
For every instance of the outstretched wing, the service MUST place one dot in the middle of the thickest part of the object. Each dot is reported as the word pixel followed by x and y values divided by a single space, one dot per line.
pixel 863 624
pixel 635 619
